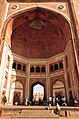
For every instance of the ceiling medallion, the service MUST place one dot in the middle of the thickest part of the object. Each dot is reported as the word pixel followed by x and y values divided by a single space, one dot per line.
pixel 37 23
pixel 14 7
pixel 60 7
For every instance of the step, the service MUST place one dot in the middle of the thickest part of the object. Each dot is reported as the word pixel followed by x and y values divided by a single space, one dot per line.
pixel 36 114
pixel 11 113
pixel 35 117
pixel 6 117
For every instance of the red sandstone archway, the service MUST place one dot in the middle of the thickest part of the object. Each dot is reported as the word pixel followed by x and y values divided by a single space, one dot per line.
pixel 37 33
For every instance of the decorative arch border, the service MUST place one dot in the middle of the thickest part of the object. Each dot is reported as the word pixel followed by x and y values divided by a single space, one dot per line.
pixel 19 12
pixel 38 82
pixel 58 81
pixel 16 82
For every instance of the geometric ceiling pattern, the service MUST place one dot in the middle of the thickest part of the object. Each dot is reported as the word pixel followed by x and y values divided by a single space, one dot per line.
pixel 39 33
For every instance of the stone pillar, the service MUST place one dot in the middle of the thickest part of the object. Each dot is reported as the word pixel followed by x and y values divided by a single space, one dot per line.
pixel 74 12
pixel 75 9
pixel 3 64
pixel 9 73
pixel 1 48
pixel 3 14
pixel 66 79
pixel 27 81
pixel 3 11
pixel 73 71
pixel 47 81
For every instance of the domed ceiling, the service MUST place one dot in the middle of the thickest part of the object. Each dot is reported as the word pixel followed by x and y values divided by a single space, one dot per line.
pixel 39 33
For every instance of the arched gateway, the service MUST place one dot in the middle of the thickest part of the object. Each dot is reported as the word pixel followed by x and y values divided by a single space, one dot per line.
pixel 38 50
pixel 37 93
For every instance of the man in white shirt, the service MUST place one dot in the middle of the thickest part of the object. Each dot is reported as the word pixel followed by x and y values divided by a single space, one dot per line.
pixel 50 101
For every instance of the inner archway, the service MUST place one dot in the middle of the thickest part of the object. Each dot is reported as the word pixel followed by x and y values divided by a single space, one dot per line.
pixel 58 88
pixel 16 93
pixel 37 95
pixel 38 92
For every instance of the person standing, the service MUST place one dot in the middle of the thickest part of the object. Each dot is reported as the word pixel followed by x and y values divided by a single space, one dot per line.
pixel 58 109
pixel 26 102
pixel 50 101
pixel 75 102
pixel 4 99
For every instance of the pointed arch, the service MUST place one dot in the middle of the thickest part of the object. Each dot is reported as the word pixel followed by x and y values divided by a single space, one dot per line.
pixel 32 89
pixel 58 88
pixel 16 92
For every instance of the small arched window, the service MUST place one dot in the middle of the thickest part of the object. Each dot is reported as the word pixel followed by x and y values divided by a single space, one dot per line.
pixel 60 65
pixel 51 68
pixel 37 69
pixel 56 67
pixel 14 65
pixel 19 67
pixel 43 69
pixel 24 68
pixel 32 69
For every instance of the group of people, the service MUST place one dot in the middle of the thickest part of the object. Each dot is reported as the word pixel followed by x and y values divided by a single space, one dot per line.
pixel 73 102
pixel 52 101
pixel 61 100
pixel 35 102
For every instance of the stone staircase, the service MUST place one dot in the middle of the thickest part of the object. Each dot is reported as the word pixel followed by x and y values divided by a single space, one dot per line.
pixel 30 114
pixel 35 114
